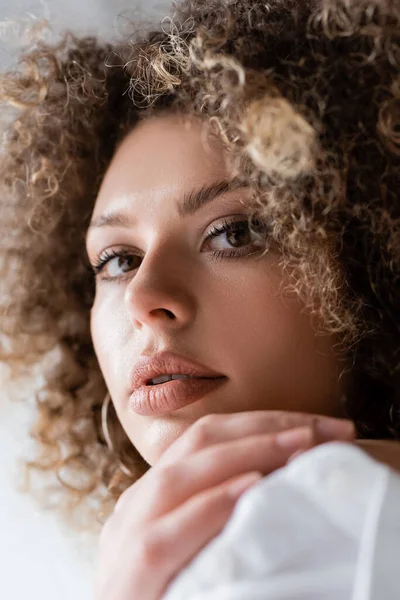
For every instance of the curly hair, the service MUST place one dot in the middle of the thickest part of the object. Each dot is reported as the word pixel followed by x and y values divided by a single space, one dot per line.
pixel 305 94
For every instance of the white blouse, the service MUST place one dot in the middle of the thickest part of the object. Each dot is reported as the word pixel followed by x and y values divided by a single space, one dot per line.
pixel 324 527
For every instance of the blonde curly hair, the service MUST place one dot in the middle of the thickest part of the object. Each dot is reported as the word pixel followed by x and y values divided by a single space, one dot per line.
pixel 305 95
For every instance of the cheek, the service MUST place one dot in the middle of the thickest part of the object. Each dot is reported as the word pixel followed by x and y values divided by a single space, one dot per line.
pixel 108 341
pixel 270 344
pixel 259 325
pixel 98 329
pixel 251 312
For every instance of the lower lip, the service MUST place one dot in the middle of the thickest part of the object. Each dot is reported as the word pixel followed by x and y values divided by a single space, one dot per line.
pixel 172 395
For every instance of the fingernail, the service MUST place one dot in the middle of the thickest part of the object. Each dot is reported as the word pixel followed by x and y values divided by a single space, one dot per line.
pixel 330 429
pixel 240 485
pixel 293 439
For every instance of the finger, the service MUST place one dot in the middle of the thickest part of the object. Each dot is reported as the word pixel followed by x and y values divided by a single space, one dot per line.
pixel 217 428
pixel 164 487
pixel 187 530
pixel 212 466
pixel 326 428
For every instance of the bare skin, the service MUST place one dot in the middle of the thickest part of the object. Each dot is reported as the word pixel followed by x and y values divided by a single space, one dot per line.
pixel 187 498
pixel 230 315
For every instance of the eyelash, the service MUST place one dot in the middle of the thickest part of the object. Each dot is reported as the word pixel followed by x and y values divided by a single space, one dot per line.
pixel 216 231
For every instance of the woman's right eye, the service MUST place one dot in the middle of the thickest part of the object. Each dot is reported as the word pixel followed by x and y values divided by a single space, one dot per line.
pixel 116 263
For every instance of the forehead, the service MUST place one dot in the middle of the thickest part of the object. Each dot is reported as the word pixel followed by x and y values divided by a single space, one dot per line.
pixel 163 155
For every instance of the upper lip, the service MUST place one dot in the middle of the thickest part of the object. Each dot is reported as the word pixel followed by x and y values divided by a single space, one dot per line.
pixel 167 363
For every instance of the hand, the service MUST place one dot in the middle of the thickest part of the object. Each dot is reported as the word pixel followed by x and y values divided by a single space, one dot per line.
pixel 162 521
pixel 385 451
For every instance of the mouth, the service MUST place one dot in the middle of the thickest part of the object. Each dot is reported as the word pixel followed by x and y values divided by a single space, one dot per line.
pixel 165 382
pixel 161 379
pixel 171 394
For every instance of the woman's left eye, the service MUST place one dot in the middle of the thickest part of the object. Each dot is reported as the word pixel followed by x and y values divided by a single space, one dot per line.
pixel 228 236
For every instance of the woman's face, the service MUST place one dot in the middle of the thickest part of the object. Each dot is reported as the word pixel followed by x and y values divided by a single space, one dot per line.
pixel 212 300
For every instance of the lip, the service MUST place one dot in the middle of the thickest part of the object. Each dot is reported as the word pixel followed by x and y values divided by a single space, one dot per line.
pixel 172 395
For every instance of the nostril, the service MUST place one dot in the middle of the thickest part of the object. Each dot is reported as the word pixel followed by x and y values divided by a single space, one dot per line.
pixel 169 313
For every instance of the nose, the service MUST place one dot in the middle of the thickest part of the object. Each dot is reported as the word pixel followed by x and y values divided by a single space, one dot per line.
pixel 160 294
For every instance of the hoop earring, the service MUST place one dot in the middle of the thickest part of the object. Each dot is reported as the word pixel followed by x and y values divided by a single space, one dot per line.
pixel 392 415
pixel 106 434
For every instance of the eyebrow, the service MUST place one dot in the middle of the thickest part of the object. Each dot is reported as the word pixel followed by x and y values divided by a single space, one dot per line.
pixel 191 202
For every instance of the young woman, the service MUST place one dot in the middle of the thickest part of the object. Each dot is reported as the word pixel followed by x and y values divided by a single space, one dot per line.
pixel 200 231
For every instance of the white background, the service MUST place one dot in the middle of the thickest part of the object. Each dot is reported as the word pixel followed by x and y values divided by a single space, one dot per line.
pixel 98 17
pixel 39 558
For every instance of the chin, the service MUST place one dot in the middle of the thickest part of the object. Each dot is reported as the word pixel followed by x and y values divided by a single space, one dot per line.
pixel 153 454
pixel 158 436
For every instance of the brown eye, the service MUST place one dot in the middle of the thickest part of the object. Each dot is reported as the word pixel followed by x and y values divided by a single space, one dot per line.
pixel 121 264
pixel 236 234
pixel 239 235
pixel 116 263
